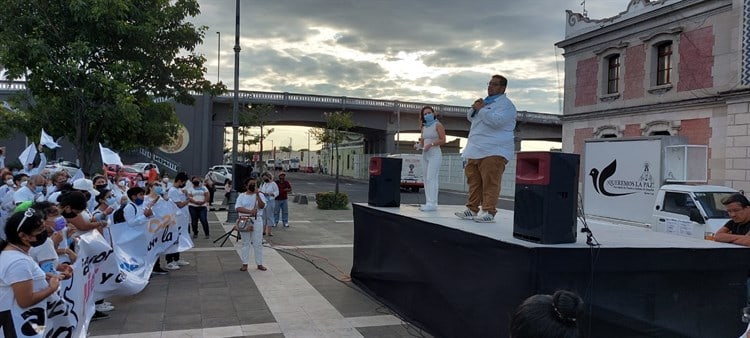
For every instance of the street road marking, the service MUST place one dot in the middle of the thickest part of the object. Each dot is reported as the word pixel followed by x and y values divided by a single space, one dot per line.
pixel 344 221
pixel 255 329
pixel 320 246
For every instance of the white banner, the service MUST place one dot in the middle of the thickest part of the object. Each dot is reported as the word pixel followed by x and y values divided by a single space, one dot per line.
pixel 101 271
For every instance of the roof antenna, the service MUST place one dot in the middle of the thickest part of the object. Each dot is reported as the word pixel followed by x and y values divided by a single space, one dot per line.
pixel 585 13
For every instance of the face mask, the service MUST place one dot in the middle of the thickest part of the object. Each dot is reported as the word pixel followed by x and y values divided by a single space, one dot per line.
pixel 101 186
pixel 68 214
pixel 429 118
pixel 123 183
pixel 60 223
pixel 266 180
pixel 38 190
pixel 9 182
pixel 111 200
pixel 196 183
pixel 159 190
pixel 251 188
pixel 23 184
pixel 40 239
pixel 165 180
pixel 138 201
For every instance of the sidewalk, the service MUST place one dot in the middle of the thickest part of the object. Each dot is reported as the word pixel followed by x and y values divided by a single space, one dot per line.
pixel 305 292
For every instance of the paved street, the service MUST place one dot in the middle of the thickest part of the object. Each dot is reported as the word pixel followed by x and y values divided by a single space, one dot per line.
pixel 306 291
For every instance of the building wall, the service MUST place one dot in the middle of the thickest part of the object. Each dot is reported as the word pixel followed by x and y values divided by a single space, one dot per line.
pixel 705 100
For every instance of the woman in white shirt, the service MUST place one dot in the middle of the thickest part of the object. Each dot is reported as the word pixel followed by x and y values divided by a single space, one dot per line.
pixel 433 135
pixel 197 206
pixel 270 189
pixel 249 205
pixel 24 286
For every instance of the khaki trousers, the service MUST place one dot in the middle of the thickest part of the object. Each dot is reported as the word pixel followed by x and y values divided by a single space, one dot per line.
pixel 483 176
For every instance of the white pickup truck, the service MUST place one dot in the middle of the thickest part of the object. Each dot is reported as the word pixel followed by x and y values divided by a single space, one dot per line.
pixel 627 177
pixel 690 210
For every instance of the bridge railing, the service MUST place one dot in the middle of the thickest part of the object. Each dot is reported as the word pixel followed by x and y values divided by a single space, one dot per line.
pixel 340 102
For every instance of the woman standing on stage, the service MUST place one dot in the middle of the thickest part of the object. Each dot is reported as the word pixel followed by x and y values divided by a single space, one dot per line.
pixel 433 135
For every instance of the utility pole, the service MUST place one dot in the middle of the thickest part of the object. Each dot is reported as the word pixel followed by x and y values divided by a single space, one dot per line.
pixel 218 58
pixel 232 213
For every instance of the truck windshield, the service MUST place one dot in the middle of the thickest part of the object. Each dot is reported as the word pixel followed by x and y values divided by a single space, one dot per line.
pixel 711 203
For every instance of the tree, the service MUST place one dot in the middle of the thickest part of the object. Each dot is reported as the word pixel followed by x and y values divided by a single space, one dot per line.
pixel 95 68
pixel 337 123
pixel 258 115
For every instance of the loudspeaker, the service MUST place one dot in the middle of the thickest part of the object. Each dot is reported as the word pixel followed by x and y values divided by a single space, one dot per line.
pixel 546 204
pixel 385 182
pixel 240 174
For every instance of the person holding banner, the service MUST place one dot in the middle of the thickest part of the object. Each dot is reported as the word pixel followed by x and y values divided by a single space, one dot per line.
pixel 249 206
pixel 177 194
pixel 24 286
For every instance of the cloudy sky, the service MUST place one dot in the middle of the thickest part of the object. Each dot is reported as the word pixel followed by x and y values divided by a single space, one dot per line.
pixel 436 51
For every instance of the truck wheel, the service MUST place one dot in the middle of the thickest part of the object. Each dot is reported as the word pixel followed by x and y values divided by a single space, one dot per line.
pixel 414 189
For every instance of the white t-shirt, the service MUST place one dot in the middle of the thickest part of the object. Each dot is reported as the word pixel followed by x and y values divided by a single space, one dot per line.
pixel 22 195
pixel 45 253
pixel 15 267
pixel 248 200
pixel 270 189
pixel 198 195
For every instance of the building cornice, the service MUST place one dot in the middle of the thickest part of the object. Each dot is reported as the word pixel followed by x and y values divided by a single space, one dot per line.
pixel 610 25
pixel 650 108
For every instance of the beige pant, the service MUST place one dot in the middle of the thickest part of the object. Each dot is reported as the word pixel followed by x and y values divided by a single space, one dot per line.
pixel 483 176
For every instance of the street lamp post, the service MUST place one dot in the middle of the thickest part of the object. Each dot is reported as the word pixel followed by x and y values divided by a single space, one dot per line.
pixel 218 58
pixel 308 150
pixel 231 212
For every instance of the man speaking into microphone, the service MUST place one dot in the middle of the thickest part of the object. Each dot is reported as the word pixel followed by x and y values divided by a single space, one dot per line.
pixel 490 145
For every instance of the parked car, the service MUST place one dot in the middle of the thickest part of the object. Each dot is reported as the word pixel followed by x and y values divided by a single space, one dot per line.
pixel 68 166
pixel 144 167
pixel 220 174
pixel 131 173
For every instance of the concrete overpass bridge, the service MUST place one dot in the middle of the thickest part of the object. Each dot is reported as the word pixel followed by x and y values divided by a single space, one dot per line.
pixel 378 120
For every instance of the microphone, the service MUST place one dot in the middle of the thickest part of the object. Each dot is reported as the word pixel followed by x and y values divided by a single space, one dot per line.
pixel 474 111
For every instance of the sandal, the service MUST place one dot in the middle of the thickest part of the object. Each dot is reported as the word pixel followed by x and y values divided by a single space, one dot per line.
pixel 262 268
pixel 244 267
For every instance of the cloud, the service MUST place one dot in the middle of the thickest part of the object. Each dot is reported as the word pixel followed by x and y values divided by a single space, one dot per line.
pixel 433 51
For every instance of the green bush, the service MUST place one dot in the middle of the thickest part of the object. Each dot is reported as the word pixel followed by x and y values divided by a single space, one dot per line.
pixel 332 201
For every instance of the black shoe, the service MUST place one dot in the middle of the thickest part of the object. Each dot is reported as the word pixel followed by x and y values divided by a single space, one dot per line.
pixel 195 235
pixel 99 315
pixel 159 271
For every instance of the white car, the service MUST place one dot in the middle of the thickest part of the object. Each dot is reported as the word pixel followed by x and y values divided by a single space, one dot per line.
pixel 220 174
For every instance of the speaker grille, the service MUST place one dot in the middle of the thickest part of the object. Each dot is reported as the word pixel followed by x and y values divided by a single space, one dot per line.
pixel 528 217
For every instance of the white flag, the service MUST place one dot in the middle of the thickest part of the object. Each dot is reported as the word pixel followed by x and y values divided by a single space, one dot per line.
pixel 109 156
pixel 77 175
pixel 28 155
pixel 47 140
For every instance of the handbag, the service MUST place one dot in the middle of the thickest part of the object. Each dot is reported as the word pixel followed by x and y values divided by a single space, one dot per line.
pixel 245 223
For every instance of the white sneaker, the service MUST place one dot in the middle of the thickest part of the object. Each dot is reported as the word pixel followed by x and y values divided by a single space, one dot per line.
pixel 466 214
pixel 286 225
pixel 428 207
pixel 173 266
pixel 484 217
pixel 104 307
pixel 182 262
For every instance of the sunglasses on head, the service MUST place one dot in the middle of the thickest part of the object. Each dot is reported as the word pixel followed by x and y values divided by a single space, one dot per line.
pixel 28 213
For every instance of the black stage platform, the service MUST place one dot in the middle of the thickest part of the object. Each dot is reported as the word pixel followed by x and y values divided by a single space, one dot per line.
pixel 458 278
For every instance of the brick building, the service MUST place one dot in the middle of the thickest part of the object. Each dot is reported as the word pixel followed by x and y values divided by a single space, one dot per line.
pixel 666 67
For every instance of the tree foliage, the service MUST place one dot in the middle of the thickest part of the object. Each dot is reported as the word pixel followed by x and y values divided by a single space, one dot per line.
pixel 102 70
pixel 337 123
pixel 257 115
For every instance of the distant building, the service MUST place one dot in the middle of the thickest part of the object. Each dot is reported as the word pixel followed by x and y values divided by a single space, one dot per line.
pixel 663 68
